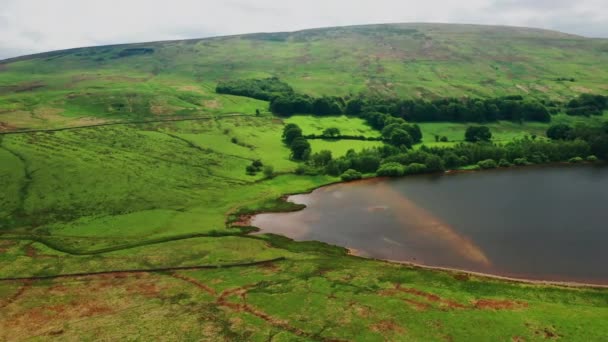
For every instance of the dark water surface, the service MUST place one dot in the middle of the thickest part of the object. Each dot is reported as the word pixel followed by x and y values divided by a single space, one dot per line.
pixel 534 223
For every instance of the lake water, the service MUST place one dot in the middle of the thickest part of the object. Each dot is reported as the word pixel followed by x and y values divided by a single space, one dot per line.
pixel 534 223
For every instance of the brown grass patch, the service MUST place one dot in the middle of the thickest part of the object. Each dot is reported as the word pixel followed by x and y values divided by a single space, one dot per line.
pixel 194 282
pixel 420 306
pixel 190 88
pixel 16 295
pixel 212 104
pixel 6 127
pixel 582 89
pixel 387 326
pixel 491 304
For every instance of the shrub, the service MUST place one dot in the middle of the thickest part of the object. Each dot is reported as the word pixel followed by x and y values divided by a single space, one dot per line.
pixel 487 164
pixel 351 175
pixel 391 170
pixel 478 133
pixel 300 170
pixel 268 171
pixel 592 159
pixel 415 168
pixel 444 139
pixel 521 161
pixel 257 164
pixel 575 160
pixel 251 170
pixel 504 163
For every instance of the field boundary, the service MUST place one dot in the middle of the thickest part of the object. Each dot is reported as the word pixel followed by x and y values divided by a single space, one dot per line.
pixel 151 270
pixel 199 118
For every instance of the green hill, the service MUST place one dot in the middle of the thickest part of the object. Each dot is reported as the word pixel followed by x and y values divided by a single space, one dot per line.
pixel 178 78
pixel 123 175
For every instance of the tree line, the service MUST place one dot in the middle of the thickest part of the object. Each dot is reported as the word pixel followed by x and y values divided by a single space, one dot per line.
pixel 566 144
pixel 284 101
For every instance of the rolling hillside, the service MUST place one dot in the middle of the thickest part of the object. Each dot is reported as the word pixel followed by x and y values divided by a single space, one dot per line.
pixel 177 78
pixel 126 190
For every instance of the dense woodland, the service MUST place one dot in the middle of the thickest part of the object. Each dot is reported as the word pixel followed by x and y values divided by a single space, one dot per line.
pixel 285 101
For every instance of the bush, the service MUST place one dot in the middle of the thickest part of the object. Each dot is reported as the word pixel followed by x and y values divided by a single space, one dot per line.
pixel 575 160
pixel 257 164
pixel 351 175
pixel 478 133
pixel 504 163
pixel 391 170
pixel 520 161
pixel 415 168
pixel 251 170
pixel 592 159
pixel 268 171
pixel 487 164
pixel 300 170
pixel 444 139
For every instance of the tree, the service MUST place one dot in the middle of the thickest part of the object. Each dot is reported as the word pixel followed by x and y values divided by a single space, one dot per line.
pixel 354 107
pixel 268 171
pixel 291 132
pixel 257 164
pixel 300 149
pixel 391 170
pixel 599 147
pixel 351 175
pixel 434 163
pixel 559 132
pixel 478 133
pixel 321 158
pixel 487 164
pixel 399 137
pixel 415 168
pixel 331 132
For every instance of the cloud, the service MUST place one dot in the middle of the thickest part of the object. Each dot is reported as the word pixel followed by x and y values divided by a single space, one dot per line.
pixel 28 26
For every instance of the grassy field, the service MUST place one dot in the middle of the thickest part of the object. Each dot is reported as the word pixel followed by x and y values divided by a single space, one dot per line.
pixel 502 131
pixel 103 84
pixel 158 196
pixel 347 125
pixel 126 231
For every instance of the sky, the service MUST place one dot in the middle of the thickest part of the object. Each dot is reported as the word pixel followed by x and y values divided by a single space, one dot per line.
pixel 30 26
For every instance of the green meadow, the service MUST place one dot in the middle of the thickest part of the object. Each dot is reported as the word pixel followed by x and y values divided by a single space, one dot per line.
pixel 123 214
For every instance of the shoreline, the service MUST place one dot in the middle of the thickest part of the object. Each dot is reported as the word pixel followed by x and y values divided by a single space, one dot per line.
pixel 488 276
pixel 244 221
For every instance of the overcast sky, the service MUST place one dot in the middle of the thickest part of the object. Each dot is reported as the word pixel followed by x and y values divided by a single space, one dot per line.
pixel 29 26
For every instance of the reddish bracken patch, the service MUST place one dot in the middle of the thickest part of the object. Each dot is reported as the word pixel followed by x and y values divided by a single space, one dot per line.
pixel 431 297
pixel 195 282
pixel 491 304
pixel 16 296
pixel 387 326
pixel 420 306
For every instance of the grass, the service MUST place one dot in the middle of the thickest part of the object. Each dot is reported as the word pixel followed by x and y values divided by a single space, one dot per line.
pixel 502 131
pixel 159 195
pixel 347 125
pixel 339 148
pixel 76 88
pixel 145 196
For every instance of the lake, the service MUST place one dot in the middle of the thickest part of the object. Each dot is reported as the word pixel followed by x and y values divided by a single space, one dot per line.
pixel 548 223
